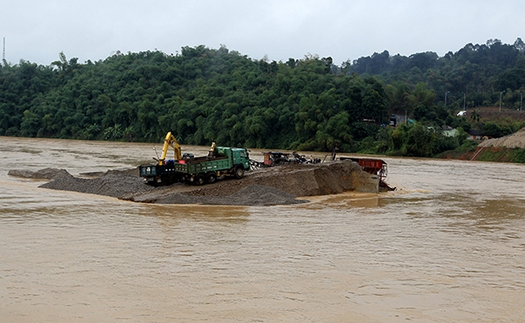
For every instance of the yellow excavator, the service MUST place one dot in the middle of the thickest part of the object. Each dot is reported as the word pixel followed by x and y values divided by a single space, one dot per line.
pixel 170 141
pixel 220 161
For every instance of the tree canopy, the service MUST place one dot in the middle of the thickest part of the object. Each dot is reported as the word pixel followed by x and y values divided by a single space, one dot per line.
pixel 203 95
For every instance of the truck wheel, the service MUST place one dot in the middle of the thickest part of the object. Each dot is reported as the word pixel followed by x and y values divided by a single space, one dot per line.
pixel 211 178
pixel 239 172
pixel 199 180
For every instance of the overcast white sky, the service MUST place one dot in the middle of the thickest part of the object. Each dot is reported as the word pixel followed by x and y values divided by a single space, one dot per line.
pixel 38 30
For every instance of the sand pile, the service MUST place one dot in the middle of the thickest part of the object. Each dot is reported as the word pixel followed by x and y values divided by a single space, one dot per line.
pixel 298 180
pixel 254 195
pixel 515 140
pixel 269 186
pixel 46 173
pixel 108 185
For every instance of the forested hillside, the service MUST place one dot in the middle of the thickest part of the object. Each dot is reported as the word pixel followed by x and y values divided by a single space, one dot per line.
pixel 204 95
pixel 473 76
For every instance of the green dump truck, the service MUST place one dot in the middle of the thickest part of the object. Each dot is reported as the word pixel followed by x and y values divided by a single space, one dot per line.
pixel 220 162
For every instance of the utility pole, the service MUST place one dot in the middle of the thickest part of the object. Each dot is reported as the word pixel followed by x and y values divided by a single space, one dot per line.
pixel 3 53
pixel 500 94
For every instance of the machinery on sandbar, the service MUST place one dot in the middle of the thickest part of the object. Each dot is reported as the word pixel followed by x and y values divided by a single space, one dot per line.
pixel 220 162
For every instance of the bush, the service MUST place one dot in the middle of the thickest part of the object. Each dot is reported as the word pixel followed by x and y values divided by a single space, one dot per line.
pixel 518 155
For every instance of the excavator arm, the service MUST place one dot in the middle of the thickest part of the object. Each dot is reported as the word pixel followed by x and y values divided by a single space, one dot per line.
pixel 170 141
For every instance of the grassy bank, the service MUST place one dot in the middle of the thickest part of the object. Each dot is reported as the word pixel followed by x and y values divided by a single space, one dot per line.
pixel 488 154
pixel 498 154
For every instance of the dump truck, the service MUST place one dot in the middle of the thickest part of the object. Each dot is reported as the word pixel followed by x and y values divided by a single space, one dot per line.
pixel 219 163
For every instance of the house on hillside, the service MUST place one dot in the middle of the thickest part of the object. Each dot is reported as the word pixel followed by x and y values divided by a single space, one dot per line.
pixel 397 119
pixel 448 131
pixel 475 134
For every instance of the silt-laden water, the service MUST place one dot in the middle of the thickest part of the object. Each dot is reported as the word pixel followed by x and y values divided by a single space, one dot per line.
pixel 447 246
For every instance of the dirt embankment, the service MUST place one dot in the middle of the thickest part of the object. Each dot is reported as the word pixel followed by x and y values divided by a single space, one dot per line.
pixel 269 186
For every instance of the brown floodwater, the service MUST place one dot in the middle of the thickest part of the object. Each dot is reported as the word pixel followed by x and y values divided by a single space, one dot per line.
pixel 447 246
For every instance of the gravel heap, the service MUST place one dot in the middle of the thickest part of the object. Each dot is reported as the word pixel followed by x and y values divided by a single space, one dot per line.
pixel 254 195
pixel 108 184
pixel 297 180
pixel 46 173
pixel 269 186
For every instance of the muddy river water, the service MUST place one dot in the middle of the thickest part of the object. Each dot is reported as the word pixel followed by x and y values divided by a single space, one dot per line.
pixel 447 246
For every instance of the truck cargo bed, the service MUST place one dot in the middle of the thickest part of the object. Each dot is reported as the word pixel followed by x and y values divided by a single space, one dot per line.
pixel 203 165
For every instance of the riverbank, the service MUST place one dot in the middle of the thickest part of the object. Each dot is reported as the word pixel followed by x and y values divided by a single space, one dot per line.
pixel 508 149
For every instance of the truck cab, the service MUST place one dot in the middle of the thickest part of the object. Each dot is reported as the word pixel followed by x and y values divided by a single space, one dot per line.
pixel 238 156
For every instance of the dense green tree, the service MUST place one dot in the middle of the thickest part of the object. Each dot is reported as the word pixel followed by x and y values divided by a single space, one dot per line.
pixel 204 95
